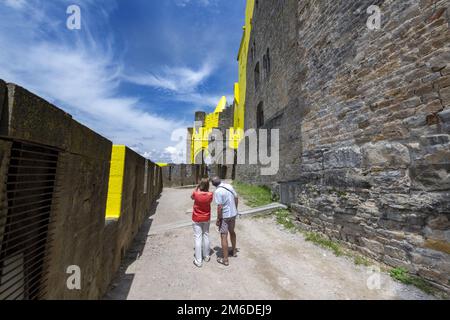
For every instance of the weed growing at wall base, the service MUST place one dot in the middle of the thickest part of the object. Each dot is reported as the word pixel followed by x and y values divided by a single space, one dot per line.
pixel 324 243
pixel 284 218
pixel 402 275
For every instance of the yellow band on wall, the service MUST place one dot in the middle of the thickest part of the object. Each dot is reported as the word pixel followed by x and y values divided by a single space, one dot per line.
pixel 115 186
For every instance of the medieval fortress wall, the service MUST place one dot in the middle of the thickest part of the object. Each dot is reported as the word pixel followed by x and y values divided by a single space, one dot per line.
pixel 364 119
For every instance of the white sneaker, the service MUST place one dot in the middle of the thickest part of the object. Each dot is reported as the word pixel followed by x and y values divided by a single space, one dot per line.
pixel 197 264
pixel 208 258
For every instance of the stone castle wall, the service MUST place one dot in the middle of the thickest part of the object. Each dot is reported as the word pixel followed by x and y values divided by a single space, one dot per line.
pixel 364 118
pixel 180 175
pixel 72 231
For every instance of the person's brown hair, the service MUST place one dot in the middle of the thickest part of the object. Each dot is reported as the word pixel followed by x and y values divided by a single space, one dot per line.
pixel 204 185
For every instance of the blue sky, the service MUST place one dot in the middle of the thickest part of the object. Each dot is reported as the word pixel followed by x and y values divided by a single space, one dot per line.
pixel 136 71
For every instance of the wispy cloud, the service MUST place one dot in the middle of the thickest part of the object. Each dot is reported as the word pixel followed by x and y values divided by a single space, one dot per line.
pixel 177 79
pixel 203 100
pixel 182 84
pixel 76 74
pixel 16 4
pixel 184 3
pixel 131 86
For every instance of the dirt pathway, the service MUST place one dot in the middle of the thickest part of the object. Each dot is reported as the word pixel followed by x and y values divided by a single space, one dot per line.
pixel 272 264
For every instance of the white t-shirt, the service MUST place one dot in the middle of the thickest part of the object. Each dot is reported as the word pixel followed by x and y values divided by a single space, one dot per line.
pixel 226 198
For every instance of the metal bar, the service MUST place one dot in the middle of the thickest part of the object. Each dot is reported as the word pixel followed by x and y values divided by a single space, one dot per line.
pixel 30 174
pixel 19 244
pixel 29 182
pixel 25 219
pixel 8 240
pixel 24 280
pixel 42 285
pixel 19 166
pixel 35 152
pixel 26 254
pixel 43 293
pixel 29 189
pixel 26 204
pixel 36 295
pixel 35 229
pixel 31 196
pixel 26 211
pixel 40 260
pixel 33 159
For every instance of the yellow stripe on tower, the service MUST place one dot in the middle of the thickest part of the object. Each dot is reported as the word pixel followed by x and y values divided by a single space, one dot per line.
pixel 115 186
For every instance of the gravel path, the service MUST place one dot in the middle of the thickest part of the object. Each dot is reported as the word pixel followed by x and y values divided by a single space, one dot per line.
pixel 272 264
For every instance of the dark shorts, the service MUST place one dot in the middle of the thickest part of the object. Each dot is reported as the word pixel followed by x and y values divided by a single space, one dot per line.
pixel 227 225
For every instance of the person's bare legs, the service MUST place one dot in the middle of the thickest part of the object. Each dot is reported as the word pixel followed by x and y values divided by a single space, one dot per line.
pixel 232 226
pixel 233 242
pixel 225 247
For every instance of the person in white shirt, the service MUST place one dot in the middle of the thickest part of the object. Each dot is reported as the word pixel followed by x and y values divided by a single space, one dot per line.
pixel 227 201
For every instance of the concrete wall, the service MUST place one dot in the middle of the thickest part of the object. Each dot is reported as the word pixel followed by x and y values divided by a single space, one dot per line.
pixel 81 234
pixel 364 120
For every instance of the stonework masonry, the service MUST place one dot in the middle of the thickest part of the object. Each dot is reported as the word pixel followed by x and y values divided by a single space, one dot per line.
pixel 364 119
pixel 54 182
pixel 181 175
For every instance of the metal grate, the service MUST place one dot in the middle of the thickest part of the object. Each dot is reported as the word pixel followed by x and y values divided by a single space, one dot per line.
pixel 25 219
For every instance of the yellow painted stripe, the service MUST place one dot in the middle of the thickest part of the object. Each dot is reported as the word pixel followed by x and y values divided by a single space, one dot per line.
pixel 162 164
pixel 115 186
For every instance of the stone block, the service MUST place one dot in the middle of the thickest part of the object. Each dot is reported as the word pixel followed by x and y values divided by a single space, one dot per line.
pixel 434 140
pixel 431 177
pixel 439 61
pixel 33 119
pixel 347 157
pixel 444 94
pixel 345 178
pixel 398 263
pixel 85 141
pixel 440 222
pixel 3 96
pixel 385 155
pixel 445 116
pixel 396 253
pixel 373 245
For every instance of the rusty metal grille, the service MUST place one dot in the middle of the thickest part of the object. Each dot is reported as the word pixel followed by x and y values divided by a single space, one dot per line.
pixel 25 219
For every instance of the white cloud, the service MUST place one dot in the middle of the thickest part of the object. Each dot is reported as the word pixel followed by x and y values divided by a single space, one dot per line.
pixel 177 79
pixel 203 100
pixel 16 4
pixel 84 80
pixel 184 3
pixel 182 83
pixel 177 152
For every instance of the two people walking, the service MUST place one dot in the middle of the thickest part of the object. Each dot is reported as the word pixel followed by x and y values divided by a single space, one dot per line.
pixel 227 202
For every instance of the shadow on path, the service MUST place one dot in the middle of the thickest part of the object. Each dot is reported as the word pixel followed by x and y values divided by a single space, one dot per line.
pixel 122 282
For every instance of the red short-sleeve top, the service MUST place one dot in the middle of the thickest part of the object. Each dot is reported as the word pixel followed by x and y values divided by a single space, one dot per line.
pixel 202 206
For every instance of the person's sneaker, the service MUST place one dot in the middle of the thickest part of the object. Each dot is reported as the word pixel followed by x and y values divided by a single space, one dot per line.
pixel 197 264
pixel 208 258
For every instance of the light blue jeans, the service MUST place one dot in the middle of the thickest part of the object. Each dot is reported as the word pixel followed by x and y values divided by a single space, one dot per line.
pixel 201 241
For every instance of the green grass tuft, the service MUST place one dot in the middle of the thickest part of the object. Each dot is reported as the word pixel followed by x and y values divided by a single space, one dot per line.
pixel 284 218
pixel 361 261
pixel 324 243
pixel 402 275
pixel 255 196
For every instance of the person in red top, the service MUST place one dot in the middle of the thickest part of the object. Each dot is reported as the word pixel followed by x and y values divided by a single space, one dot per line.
pixel 201 218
